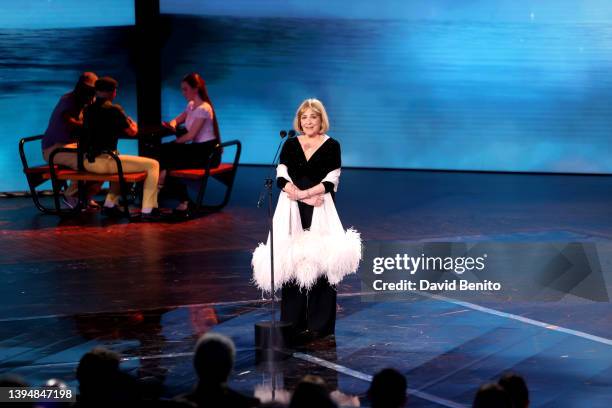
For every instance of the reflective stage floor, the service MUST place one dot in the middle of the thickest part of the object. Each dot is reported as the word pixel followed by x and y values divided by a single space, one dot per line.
pixel 150 290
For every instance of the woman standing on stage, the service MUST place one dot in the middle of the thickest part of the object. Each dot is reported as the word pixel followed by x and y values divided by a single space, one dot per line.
pixel 317 253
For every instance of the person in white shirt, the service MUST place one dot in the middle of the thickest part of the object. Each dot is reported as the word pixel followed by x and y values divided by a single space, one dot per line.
pixel 193 148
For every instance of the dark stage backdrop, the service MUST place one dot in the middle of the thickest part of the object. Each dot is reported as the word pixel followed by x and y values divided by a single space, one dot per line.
pixel 477 85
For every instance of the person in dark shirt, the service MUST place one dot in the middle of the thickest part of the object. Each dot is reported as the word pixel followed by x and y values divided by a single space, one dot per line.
pixel 104 122
pixel 213 361
pixel 64 128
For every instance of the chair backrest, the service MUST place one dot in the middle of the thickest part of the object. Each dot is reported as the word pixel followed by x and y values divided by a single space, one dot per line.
pixel 22 154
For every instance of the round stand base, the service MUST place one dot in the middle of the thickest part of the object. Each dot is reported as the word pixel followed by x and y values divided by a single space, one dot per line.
pixel 271 341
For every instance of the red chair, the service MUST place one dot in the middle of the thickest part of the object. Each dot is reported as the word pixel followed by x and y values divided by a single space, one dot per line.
pixel 224 173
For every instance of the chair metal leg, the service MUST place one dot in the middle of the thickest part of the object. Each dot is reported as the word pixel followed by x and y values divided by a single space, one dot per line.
pixel 33 180
pixel 201 191
pixel 34 194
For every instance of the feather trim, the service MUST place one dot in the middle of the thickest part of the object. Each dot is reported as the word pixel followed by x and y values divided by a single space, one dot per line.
pixel 306 257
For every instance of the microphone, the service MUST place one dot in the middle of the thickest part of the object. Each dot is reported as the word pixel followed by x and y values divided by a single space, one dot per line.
pixel 289 134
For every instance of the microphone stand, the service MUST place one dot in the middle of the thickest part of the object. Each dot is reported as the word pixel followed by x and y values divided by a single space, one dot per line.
pixel 269 336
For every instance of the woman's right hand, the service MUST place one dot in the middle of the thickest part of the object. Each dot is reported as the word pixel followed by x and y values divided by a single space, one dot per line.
pixel 170 125
pixel 292 191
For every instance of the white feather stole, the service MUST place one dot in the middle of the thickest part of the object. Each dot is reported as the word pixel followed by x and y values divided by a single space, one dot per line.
pixel 301 255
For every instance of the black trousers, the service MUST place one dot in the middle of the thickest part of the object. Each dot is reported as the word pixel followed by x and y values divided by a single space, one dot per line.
pixel 177 156
pixel 315 309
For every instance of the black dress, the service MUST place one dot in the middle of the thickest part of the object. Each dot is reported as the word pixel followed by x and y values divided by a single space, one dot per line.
pixel 314 310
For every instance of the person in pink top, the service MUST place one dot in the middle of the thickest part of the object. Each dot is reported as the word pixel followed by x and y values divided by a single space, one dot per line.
pixel 193 148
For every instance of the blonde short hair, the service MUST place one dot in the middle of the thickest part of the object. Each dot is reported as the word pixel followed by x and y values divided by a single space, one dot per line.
pixel 316 106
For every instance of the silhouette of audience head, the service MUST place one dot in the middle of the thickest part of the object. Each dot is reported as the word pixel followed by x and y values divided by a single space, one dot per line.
pixel 214 358
pixel 96 368
pixel 492 396
pixel 100 379
pixel 388 389
pixel 516 388
pixel 311 391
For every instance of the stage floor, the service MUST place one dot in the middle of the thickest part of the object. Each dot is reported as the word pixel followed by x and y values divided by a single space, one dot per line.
pixel 149 290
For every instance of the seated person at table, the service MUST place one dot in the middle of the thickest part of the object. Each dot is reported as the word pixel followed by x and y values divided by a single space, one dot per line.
pixel 104 122
pixel 192 149
pixel 64 129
